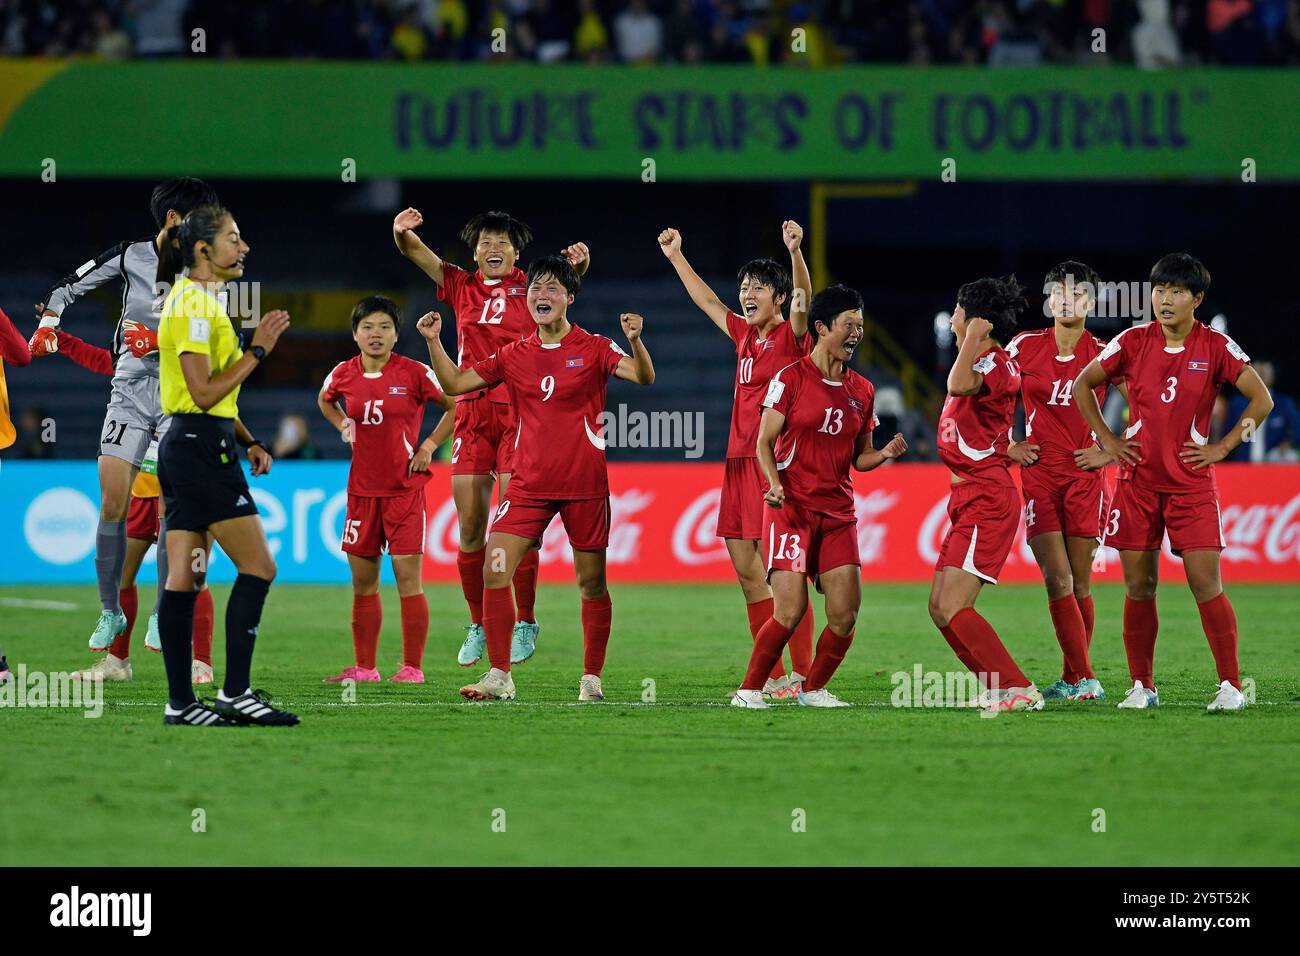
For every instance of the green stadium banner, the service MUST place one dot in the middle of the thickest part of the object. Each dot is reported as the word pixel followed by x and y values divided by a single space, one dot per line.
pixel 436 121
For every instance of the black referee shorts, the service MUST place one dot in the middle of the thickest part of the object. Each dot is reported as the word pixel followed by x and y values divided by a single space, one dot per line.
pixel 199 471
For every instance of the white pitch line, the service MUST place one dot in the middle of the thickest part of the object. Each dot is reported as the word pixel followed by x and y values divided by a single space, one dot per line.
pixel 513 704
pixel 38 605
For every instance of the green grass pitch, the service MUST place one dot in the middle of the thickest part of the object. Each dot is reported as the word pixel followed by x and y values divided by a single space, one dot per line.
pixel 413 775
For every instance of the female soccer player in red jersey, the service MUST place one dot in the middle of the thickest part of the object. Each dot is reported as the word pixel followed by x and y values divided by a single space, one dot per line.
pixel 1174 368
pixel 383 397
pixel 817 421
pixel 491 310
pixel 556 379
pixel 1063 501
pixel 765 343
pixel 984 509
pixel 14 351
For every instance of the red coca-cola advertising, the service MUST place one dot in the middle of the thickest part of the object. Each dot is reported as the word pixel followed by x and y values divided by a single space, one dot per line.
pixel 665 516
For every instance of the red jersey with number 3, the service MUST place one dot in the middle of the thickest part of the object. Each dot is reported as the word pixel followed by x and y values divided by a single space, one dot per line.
pixel 489 314
pixel 824 421
pixel 757 360
pixel 975 430
pixel 558 394
pixel 1171 393
pixel 1047 390
pixel 388 409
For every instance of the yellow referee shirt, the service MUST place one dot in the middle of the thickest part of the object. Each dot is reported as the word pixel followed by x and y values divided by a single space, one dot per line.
pixel 194 321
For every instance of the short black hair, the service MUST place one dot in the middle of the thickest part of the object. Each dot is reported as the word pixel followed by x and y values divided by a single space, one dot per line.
pixel 182 194
pixel 1073 270
pixel 995 300
pixel 496 221
pixel 558 268
pixel 1182 270
pixel 770 273
pixel 377 303
pixel 830 302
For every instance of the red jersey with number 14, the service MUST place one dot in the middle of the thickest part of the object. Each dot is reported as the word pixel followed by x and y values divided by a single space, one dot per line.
pixel 1047 389
pixel 757 360
pixel 558 394
pixel 975 430
pixel 489 314
pixel 388 409
pixel 824 421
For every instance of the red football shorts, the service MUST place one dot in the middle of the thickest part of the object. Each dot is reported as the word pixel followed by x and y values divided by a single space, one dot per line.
pixel 808 542
pixel 142 519
pixel 586 520
pixel 984 518
pixel 740 515
pixel 1070 505
pixel 375 525
pixel 483 438
pixel 1138 520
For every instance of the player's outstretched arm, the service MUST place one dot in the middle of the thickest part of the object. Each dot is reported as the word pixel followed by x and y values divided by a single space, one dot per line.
pixel 12 347
pixel 1085 400
pixel 1259 404
pixel 90 357
pixel 452 380
pixel 410 245
pixel 670 244
pixel 962 377
pixel 801 281
pixel 868 458
pixel 105 267
pixel 769 428
pixel 636 367
pixel 579 257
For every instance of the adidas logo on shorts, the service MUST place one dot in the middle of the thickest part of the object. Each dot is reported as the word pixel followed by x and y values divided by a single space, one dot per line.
pixel 241 502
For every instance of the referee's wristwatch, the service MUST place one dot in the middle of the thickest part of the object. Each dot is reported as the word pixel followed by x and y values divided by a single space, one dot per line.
pixel 258 352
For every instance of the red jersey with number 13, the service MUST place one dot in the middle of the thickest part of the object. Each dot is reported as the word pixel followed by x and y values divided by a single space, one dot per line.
pixel 757 360
pixel 489 314
pixel 1047 389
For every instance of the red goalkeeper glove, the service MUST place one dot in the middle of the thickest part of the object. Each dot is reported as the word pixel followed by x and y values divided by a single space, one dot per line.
pixel 139 339
pixel 44 341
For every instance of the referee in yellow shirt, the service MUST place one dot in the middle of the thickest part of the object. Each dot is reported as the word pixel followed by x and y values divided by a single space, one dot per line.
pixel 201 368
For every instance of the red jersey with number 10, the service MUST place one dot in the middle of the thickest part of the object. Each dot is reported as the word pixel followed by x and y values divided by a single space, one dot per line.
pixel 1047 389
pixel 757 360
pixel 1171 394
pixel 975 430
pixel 388 409
pixel 489 314
pixel 824 421
pixel 558 393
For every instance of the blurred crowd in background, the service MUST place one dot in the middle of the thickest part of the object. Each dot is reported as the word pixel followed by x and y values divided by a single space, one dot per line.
pixel 1150 33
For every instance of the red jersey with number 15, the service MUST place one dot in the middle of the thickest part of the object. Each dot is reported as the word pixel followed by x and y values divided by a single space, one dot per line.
pixel 388 409
pixel 975 430
pixel 1047 389
pixel 757 360
pixel 823 423
pixel 558 394
pixel 1171 394
pixel 489 314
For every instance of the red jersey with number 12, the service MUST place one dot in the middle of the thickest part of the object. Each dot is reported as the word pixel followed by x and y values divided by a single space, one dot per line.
pixel 975 430
pixel 757 360
pixel 1047 389
pixel 388 409
pixel 489 314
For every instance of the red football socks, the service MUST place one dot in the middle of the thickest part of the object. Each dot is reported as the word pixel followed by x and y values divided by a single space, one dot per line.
pixel 597 617
pixel 470 566
pixel 831 649
pixel 760 612
pixel 1140 627
pixel 771 641
pixel 130 601
pixel 801 645
pixel 201 632
pixel 498 625
pixel 1220 623
pixel 367 618
pixel 986 647
pixel 961 650
pixel 525 582
pixel 415 629
pixel 1070 634
pixel 1086 612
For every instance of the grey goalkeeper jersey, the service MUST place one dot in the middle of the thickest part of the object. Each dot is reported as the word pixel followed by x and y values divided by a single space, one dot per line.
pixel 135 264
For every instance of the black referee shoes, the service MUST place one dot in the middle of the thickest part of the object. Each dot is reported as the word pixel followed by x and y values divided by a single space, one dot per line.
pixel 253 707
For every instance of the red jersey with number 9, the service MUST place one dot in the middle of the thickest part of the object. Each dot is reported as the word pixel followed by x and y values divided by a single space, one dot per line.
pixel 975 430
pixel 490 313
pixel 757 360
pixel 1047 389
pixel 388 409
pixel 1171 393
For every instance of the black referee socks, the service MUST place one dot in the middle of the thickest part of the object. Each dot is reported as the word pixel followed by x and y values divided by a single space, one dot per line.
pixel 175 623
pixel 243 613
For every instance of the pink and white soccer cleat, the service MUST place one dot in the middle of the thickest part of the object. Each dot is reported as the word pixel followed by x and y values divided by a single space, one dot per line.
pixel 358 674
pixel 408 675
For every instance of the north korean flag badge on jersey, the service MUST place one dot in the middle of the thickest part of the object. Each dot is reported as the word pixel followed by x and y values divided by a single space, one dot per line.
pixel 396 389
pixel 1198 366
pixel 573 362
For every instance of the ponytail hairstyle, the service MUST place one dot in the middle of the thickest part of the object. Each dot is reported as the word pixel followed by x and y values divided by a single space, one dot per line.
pixel 995 300
pixel 199 225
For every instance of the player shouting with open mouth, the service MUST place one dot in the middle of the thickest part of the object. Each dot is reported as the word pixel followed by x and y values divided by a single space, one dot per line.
pixel 490 306
pixel 557 378
pixel 816 428
pixel 1174 368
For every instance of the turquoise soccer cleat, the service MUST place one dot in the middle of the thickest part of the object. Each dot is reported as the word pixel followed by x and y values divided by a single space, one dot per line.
pixel 151 639
pixel 109 625
pixel 523 641
pixel 475 644
pixel 1088 689
pixel 1061 690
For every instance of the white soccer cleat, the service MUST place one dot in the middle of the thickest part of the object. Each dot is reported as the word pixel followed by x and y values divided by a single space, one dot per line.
pixel 589 688
pixel 821 698
pixel 1228 698
pixel 753 699
pixel 982 701
pixel 494 685
pixel 109 669
pixel 1140 698
pixel 200 673
pixel 1015 699
pixel 779 688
